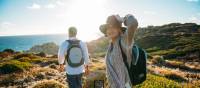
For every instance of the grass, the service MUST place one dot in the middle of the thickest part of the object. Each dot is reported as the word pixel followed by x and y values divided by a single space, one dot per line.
pixel 33 60
pixel 180 65
pixel 163 52
pixel 153 49
pixel 154 81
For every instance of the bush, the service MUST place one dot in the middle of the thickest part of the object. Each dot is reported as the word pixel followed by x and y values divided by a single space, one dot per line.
pixel 41 54
pixel 9 50
pixel 29 55
pixel 13 66
pixel 27 59
pixel 158 60
pixel 49 84
pixel 9 68
pixel 175 77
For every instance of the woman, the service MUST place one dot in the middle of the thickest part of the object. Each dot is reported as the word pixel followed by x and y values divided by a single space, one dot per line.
pixel 117 73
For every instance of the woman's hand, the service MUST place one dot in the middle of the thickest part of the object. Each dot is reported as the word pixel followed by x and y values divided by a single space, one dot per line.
pixel 130 20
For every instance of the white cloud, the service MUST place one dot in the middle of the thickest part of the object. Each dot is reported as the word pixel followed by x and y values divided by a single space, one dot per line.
pixel 192 0
pixel 50 6
pixel 60 3
pixel 149 12
pixel 34 6
pixel 55 4
pixel 6 25
pixel 194 19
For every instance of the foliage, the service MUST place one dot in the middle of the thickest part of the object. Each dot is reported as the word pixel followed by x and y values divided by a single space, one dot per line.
pixel 154 81
pixel 9 50
pixel 13 66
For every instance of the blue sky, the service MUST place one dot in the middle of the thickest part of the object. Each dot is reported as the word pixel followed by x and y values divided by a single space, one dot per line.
pixel 25 17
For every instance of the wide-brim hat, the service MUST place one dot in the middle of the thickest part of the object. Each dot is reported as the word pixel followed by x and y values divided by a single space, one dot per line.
pixel 112 21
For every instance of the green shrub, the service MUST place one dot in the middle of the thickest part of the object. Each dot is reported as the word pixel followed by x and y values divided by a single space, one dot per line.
pixel 154 81
pixel 158 60
pixel 9 50
pixel 13 66
pixel 41 54
pixel 29 55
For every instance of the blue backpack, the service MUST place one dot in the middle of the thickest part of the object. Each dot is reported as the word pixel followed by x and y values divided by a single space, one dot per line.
pixel 138 71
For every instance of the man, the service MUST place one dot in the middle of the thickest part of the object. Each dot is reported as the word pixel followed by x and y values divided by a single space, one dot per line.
pixel 74 54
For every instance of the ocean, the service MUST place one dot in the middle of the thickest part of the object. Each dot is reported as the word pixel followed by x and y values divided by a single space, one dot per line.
pixel 21 43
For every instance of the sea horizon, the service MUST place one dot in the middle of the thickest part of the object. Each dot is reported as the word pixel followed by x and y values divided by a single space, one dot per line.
pixel 25 42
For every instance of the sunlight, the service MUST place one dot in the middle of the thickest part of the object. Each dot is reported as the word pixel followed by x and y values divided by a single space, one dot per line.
pixel 86 15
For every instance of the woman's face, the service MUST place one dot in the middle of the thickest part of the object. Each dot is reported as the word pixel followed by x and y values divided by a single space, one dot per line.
pixel 113 32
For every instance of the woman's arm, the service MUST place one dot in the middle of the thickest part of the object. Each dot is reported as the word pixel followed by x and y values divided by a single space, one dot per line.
pixel 131 22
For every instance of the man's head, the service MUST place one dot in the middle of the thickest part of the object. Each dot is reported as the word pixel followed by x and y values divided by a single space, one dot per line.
pixel 72 31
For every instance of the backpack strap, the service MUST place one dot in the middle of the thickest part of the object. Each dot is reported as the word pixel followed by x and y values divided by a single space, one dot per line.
pixel 135 53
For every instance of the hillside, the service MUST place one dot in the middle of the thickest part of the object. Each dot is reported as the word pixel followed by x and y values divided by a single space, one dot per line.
pixel 173 60
pixel 172 38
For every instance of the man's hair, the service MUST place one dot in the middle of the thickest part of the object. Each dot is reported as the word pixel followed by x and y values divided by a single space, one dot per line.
pixel 72 31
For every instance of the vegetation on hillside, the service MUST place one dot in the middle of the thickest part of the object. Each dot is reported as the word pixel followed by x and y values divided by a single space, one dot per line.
pixel 173 60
